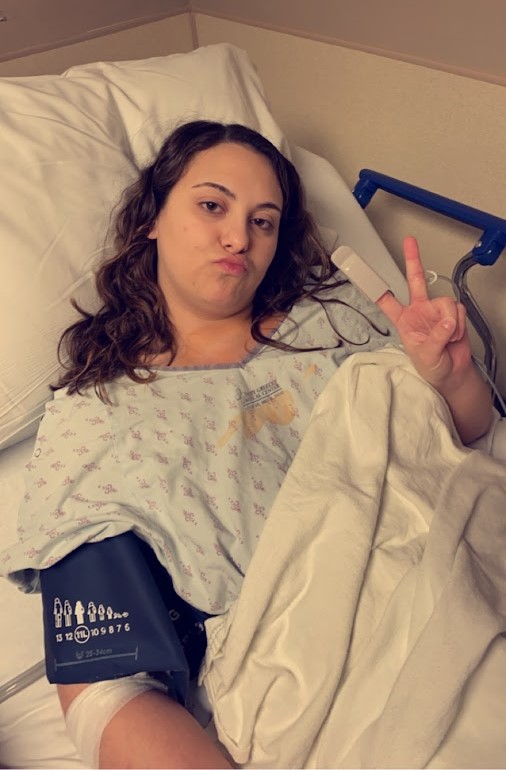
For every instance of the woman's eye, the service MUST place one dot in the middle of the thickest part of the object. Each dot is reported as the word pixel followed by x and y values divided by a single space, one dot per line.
pixel 211 206
pixel 263 224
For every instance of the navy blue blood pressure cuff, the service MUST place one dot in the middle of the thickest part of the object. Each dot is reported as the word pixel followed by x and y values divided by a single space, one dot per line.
pixel 110 610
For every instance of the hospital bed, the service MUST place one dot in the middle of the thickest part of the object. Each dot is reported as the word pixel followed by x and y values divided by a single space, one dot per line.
pixel 68 145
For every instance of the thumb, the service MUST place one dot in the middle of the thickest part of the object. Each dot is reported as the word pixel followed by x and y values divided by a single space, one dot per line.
pixel 444 330
pixel 437 341
pixel 430 356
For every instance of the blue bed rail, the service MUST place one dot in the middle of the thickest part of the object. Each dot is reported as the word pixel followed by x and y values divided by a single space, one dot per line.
pixel 488 248
pixel 486 251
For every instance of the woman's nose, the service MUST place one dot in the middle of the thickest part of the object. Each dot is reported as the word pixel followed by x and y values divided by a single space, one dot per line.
pixel 235 236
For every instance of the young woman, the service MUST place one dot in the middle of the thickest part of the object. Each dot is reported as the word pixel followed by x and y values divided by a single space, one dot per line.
pixel 185 397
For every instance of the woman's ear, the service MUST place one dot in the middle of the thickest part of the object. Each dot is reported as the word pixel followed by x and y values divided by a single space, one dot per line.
pixel 153 233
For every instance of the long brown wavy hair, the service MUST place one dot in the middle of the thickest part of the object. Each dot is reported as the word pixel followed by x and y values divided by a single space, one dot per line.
pixel 133 324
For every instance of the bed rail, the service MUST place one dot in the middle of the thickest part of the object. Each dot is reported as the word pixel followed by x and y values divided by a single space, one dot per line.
pixel 486 251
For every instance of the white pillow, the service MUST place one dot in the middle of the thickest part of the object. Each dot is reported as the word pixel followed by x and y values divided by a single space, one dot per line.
pixel 68 145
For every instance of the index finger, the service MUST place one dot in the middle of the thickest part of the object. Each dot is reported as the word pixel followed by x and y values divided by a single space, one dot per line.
pixel 415 273
pixel 390 306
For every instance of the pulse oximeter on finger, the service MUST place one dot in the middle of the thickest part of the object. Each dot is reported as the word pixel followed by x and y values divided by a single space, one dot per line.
pixel 359 273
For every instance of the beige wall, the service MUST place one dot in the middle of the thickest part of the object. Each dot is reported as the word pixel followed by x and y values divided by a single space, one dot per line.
pixel 462 36
pixel 431 128
pixel 172 35
pixel 35 25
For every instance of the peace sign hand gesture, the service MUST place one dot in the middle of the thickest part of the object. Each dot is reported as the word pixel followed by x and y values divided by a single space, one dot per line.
pixel 433 331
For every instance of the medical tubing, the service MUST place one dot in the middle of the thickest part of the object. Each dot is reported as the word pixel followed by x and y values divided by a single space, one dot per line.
pixel 462 293
pixel 23 680
pixel 499 401
pixel 459 280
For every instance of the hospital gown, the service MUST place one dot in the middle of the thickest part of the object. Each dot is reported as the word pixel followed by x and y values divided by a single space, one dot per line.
pixel 191 462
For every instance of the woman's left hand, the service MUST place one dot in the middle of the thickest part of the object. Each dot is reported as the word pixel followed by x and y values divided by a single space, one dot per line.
pixel 433 331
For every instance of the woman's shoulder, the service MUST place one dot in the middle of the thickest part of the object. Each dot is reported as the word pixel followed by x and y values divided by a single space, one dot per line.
pixel 74 413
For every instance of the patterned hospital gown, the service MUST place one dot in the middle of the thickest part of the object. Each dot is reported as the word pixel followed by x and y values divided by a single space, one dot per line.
pixel 191 462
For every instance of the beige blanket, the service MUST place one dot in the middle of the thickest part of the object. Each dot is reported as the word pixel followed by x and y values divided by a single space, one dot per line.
pixel 368 632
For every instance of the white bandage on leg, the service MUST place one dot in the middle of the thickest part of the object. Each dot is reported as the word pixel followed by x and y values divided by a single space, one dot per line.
pixel 92 710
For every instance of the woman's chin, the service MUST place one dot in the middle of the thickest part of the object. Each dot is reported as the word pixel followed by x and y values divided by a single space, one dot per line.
pixel 226 304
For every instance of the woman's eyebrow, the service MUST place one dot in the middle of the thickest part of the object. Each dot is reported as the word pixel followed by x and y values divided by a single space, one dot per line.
pixel 230 194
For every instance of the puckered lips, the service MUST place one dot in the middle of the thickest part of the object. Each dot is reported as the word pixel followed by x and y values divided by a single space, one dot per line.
pixel 232 265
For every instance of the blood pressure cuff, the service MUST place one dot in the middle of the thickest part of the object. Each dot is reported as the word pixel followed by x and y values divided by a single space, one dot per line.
pixel 110 610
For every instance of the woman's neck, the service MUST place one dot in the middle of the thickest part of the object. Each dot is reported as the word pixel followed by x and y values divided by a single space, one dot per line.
pixel 209 342
pixel 221 341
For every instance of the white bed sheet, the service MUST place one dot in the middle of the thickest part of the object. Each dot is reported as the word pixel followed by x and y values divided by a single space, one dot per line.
pixel 369 631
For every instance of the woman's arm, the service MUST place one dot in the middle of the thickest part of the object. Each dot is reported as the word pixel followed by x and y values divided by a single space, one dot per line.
pixel 151 731
pixel 434 335
pixel 470 404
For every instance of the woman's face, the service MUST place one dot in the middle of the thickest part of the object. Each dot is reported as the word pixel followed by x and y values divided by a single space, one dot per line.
pixel 217 232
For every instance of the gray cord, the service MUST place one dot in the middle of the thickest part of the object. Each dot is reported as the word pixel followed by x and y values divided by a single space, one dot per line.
pixel 25 679
pixel 481 366
pixel 431 278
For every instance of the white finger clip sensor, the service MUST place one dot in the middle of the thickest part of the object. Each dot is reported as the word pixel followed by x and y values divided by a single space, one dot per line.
pixel 359 273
